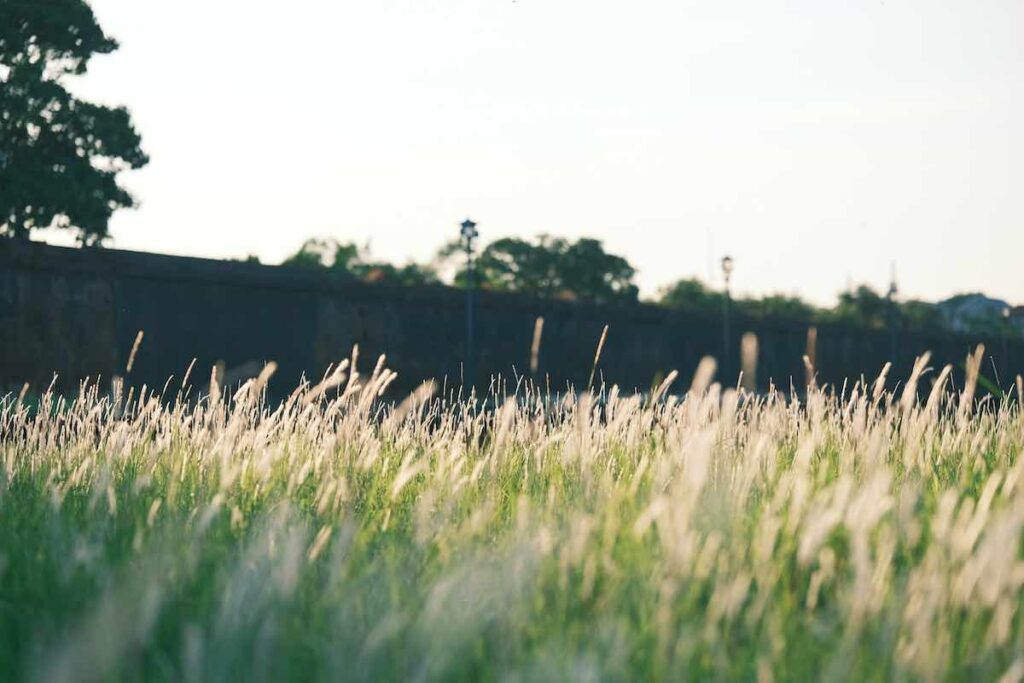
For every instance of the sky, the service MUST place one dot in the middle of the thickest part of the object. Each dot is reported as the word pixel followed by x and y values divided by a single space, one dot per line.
pixel 816 142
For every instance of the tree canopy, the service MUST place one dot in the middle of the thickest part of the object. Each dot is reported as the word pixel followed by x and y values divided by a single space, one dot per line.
pixel 347 260
pixel 59 155
pixel 552 267
pixel 861 306
pixel 582 270
pixel 547 267
pixel 692 294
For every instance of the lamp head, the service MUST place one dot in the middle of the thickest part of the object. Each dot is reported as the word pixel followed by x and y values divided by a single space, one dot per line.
pixel 727 265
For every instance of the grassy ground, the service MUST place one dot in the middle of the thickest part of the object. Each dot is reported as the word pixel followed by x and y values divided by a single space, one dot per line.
pixel 867 536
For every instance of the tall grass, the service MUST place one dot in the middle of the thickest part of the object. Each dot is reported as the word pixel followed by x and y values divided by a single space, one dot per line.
pixel 601 536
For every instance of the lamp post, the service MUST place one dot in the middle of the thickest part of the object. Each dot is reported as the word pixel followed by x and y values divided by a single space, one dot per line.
pixel 1006 342
pixel 893 317
pixel 469 235
pixel 727 266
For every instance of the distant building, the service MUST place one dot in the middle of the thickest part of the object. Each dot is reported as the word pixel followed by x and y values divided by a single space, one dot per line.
pixel 972 313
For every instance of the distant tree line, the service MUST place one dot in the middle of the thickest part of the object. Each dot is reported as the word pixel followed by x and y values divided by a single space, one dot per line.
pixel 548 267
pixel 861 306
pixel 582 270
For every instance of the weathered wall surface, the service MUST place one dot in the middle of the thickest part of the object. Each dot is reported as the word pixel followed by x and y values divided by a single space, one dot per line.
pixel 76 313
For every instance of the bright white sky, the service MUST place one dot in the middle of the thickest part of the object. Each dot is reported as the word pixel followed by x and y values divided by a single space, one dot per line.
pixel 814 141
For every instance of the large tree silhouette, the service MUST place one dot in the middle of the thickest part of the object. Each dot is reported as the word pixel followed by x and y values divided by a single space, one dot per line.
pixel 550 267
pixel 59 156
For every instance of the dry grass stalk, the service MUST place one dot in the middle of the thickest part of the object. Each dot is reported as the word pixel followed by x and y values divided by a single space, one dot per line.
pixel 679 534
pixel 538 329
pixel 597 357
pixel 811 356
pixel 135 350
pixel 748 361
pixel 972 368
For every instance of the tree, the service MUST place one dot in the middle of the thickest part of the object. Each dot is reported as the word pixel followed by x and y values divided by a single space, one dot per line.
pixel 863 307
pixel 694 295
pixel 318 252
pixel 922 316
pixel 349 261
pixel 691 294
pixel 59 156
pixel 779 306
pixel 551 267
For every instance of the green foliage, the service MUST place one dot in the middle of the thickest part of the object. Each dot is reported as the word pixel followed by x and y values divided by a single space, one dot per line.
pixel 248 258
pixel 554 267
pixel 319 252
pixel 921 316
pixel 692 294
pixel 562 269
pixel 865 307
pixel 348 261
pixel 59 156
pixel 779 306
pixel 861 307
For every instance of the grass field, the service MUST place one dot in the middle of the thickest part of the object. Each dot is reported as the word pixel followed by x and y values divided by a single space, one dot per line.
pixel 854 534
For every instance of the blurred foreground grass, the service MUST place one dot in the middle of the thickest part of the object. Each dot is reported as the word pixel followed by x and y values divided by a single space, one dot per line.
pixel 597 538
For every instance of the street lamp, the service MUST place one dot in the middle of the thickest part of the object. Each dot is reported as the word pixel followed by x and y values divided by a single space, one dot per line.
pixel 893 315
pixel 1006 341
pixel 469 234
pixel 727 266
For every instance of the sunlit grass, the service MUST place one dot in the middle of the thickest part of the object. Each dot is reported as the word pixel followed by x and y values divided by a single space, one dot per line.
pixel 601 536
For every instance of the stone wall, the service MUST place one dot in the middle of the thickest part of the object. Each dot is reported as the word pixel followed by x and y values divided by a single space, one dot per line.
pixel 76 313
